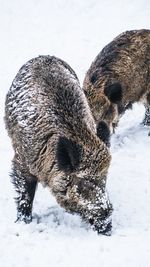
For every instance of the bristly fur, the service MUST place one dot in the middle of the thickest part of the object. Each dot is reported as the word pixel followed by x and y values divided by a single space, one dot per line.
pixel 120 76
pixel 55 142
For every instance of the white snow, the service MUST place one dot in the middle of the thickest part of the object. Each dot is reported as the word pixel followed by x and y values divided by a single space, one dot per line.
pixel 75 31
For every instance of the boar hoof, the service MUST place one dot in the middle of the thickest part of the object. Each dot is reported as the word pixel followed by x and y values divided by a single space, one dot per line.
pixel 23 218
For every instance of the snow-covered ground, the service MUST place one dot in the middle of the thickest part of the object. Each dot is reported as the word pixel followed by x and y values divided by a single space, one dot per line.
pixel 75 31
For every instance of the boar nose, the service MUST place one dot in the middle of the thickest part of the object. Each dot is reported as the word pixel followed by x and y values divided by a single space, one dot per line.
pixel 107 231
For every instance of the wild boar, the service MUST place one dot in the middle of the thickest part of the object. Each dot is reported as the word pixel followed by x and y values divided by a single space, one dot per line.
pixel 56 142
pixel 120 76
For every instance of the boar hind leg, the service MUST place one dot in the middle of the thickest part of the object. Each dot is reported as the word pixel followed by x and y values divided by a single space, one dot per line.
pixel 25 186
pixel 146 120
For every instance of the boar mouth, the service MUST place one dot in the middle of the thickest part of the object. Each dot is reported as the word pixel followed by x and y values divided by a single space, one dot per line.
pixel 103 227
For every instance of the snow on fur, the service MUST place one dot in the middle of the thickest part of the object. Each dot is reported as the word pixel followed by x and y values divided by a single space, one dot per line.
pixel 75 31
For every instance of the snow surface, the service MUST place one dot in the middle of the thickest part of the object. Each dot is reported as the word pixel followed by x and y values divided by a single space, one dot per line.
pixel 75 31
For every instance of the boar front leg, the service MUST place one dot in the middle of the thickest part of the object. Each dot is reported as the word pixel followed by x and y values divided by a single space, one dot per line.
pixel 25 186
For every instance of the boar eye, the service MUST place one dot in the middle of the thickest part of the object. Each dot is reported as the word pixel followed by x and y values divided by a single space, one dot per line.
pixel 94 77
pixel 91 221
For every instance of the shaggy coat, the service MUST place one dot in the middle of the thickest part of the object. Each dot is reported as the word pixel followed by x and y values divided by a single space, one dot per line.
pixel 120 76
pixel 56 142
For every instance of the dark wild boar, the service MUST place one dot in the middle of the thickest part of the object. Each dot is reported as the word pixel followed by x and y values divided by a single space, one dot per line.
pixel 119 77
pixel 56 142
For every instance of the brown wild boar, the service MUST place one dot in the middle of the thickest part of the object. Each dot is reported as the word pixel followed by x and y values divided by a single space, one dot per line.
pixel 56 142
pixel 119 77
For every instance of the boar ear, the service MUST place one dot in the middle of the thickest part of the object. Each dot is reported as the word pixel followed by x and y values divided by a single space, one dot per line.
pixel 114 92
pixel 103 132
pixel 68 154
